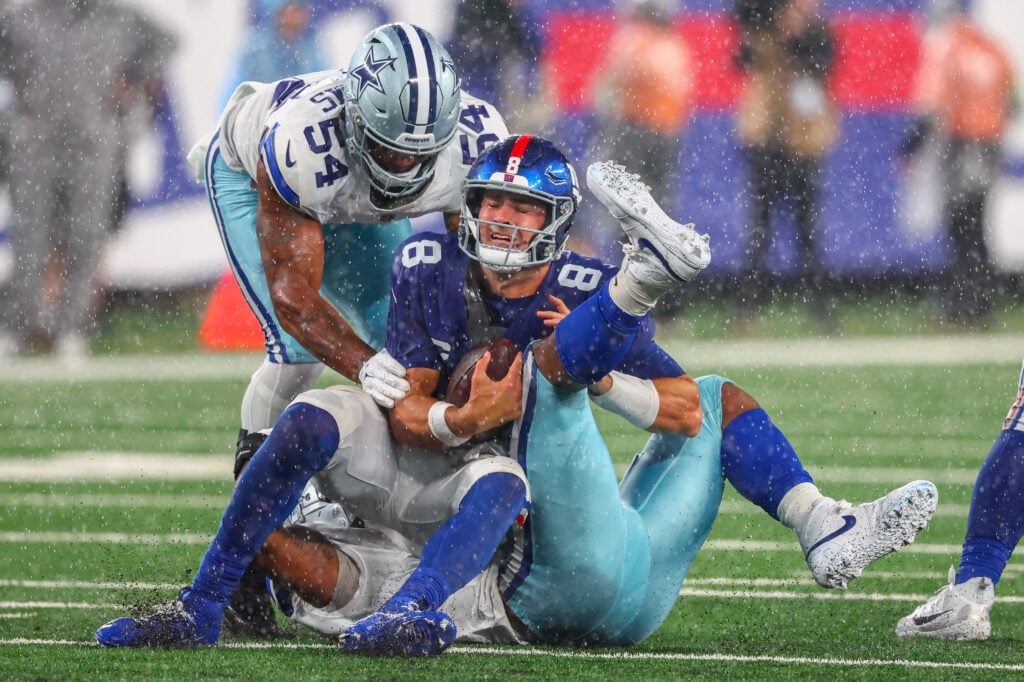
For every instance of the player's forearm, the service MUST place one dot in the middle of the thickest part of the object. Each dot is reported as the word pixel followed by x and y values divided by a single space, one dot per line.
pixel 667 405
pixel 321 330
pixel 679 409
pixel 409 423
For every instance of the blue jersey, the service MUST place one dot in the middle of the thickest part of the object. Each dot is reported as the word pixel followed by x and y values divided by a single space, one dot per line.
pixel 428 322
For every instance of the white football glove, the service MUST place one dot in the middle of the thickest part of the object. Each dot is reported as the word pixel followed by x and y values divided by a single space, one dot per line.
pixel 383 379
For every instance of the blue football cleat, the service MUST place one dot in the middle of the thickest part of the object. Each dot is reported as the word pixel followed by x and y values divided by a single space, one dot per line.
pixel 402 634
pixel 189 621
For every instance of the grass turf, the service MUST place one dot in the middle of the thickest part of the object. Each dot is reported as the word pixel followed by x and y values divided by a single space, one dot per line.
pixel 75 553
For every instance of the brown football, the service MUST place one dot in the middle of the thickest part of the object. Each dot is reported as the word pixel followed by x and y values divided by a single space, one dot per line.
pixel 503 354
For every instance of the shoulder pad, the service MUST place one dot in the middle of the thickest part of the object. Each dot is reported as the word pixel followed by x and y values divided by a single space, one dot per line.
pixel 305 162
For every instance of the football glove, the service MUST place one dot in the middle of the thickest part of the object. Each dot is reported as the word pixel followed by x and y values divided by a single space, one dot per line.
pixel 383 379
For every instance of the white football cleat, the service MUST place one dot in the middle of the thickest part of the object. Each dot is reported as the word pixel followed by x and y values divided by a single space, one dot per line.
pixel 840 540
pixel 959 612
pixel 662 252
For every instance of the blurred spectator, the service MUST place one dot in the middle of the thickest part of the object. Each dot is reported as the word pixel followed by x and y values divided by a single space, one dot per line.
pixel 966 94
pixel 643 98
pixel 786 123
pixel 497 54
pixel 282 41
pixel 76 67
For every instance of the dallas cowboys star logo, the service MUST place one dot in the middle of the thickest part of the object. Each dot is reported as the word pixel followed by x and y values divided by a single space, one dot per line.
pixel 368 70
pixel 447 64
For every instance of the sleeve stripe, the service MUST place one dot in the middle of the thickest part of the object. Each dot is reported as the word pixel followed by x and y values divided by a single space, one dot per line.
pixel 270 161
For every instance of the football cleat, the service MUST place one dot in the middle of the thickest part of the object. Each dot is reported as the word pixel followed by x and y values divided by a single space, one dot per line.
pixel 189 621
pixel 399 634
pixel 661 253
pixel 251 610
pixel 839 540
pixel 960 612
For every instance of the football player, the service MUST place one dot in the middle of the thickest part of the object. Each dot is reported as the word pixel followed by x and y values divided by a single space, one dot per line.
pixel 312 181
pixel 593 561
pixel 995 523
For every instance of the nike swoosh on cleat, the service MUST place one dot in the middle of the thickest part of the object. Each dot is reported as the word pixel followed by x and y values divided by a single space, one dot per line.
pixel 288 156
pixel 849 521
pixel 924 620
pixel 644 244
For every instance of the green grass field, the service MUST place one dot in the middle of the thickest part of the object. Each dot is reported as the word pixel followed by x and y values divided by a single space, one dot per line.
pixel 113 475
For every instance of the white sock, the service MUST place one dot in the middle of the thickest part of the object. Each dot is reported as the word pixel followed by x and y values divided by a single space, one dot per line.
pixel 796 504
pixel 629 295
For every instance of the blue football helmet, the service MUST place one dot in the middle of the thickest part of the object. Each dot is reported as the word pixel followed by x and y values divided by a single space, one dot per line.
pixel 401 95
pixel 535 168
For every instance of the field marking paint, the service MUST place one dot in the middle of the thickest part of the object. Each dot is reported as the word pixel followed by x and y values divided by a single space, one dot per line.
pixel 696 587
pixel 138 500
pixel 872 351
pixel 868 350
pixel 142 466
pixel 59 537
pixel 594 655
pixel 84 584
pixel 115 466
pixel 69 500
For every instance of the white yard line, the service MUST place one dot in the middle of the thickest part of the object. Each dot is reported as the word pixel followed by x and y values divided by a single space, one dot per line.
pixel 914 350
pixel 596 655
pixel 142 466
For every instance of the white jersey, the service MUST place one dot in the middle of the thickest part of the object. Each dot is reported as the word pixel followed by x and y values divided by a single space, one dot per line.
pixel 295 127
pixel 385 559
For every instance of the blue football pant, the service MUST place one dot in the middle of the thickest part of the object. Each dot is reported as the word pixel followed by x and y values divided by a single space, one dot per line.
pixel 604 561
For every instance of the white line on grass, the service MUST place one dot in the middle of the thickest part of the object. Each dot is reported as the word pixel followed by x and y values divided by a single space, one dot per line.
pixel 697 587
pixel 920 350
pixel 57 537
pixel 69 500
pixel 121 466
pixel 479 650
pixel 138 500
pixel 84 584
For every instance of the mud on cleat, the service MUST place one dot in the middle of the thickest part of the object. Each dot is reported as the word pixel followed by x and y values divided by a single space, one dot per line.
pixel 956 612
pixel 658 242
pixel 839 540
pixel 251 610
pixel 399 634
pixel 189 621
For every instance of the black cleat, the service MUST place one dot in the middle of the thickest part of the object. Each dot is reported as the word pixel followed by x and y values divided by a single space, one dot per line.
pixel 251 611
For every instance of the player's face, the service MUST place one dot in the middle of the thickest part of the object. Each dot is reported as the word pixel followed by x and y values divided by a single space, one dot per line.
pixel 514 210
pixel 390 160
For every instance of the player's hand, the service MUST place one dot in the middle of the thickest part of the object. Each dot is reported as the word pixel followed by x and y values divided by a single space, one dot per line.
pixel 551 318
pixel 383 379
pixel 493 403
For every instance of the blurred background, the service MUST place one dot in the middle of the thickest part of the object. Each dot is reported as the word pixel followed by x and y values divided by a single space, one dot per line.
pixel 881 242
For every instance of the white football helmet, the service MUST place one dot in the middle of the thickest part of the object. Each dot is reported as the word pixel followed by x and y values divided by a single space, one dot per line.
pixel 402 96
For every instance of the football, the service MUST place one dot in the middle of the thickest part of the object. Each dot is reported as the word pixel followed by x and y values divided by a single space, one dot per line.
pixel 503 353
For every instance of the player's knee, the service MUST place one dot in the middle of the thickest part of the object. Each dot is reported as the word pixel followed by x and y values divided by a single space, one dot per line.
pixel 307 432
pixel 500 477
pixel 735 401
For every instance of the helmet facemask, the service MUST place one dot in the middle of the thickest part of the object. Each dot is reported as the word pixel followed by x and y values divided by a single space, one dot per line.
pixel 388 188
pixel 543 245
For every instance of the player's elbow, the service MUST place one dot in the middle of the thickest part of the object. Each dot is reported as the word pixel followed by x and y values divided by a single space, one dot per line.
pixel 680 409
pixel 691 420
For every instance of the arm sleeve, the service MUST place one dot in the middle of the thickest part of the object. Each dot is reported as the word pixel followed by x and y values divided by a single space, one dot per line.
pixel 646 359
